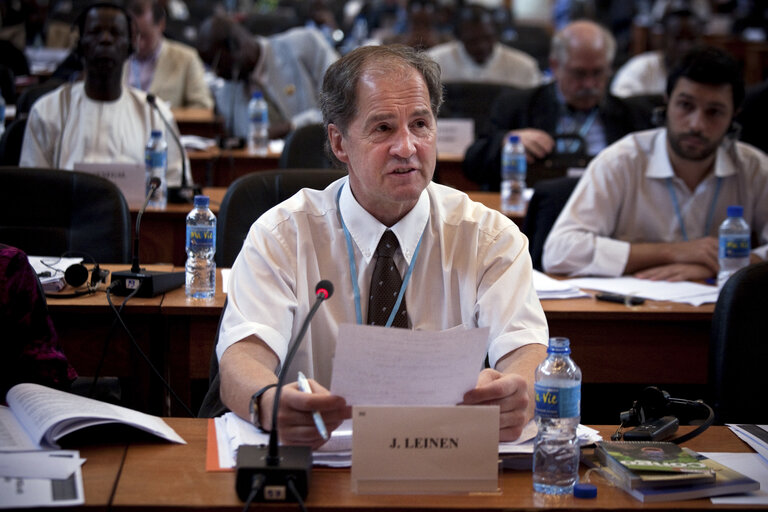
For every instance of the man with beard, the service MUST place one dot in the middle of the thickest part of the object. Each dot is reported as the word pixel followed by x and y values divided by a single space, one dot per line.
pixel 575 103
pixel 651 204
pixel 98 120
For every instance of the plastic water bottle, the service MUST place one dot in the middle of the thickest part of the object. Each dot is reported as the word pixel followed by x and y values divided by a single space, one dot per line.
pixel 558 405
pixel 734 244
pixel 2 115
pixel 156 162
pixel 201 246
pixel 513 169
pixel 258 125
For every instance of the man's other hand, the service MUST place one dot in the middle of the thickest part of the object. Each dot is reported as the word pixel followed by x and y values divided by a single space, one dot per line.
pixel 510 393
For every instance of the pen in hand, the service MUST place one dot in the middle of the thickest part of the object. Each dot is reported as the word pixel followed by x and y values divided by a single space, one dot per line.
pixel 319 423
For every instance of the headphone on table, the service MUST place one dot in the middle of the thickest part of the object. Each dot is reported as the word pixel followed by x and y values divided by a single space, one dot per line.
pixel 655 403
pixel 76 276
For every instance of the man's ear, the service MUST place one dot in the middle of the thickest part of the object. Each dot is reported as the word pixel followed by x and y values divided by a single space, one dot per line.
pixel 335 139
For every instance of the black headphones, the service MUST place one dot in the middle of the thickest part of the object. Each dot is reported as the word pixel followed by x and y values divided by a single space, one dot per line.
pixel 655 403
pixel 79 23
pixel 76 276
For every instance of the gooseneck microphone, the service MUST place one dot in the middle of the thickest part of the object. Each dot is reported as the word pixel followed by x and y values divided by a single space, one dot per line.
pixel 185 193
pixel 148 283
pixel 274 467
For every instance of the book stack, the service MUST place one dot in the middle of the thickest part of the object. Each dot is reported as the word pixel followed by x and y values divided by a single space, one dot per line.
pixel 660 471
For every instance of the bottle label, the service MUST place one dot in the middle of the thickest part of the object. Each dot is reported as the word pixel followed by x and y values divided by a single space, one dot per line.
pixel 555 402
pixel 513 166
pixel 155 158
pixel 734 246
pixel 201 237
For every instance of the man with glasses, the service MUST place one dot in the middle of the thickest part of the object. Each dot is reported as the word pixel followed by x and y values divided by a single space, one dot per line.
pixel 574 104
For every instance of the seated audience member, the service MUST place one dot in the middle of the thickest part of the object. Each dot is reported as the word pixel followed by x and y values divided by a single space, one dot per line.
pixel 647 73
pixel 380 105
pixel 168 69
pixel 651 204
pixel 478 56
pixel 575 103
pixel 752 116
pixel 287 67
pixel 30 350
pixel 99 119
pixel 420 29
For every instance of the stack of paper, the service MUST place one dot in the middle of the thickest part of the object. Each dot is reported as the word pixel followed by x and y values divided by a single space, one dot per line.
pixel 50 270
pixel 548 288
pixel 684 291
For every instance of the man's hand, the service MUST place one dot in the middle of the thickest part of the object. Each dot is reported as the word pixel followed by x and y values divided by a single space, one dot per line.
pixel 537 143
pixel 510 393
pixel 294 418
pixel 701 252
pixel 676 272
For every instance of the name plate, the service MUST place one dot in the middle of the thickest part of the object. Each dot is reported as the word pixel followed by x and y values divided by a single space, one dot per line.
pixel 454 136
pixel 425 450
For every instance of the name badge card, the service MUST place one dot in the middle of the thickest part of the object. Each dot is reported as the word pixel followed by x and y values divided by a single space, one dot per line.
pixel 129 178
pixel 425 449
pixel 454 136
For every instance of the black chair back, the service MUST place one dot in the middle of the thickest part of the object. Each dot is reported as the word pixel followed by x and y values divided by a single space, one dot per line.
pixel 48 212
pixel 10 142
pixel 305 149
pixel 549 198
pixel 570 153
pixel 471 100
pixel 739 347
pixel 249 196
pixel 35 92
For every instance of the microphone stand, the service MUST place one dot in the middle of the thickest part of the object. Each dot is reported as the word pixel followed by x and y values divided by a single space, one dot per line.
pixel 275 467
pixel 185 193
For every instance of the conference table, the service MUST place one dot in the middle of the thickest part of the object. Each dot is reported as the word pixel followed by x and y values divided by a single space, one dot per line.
pixel 161 476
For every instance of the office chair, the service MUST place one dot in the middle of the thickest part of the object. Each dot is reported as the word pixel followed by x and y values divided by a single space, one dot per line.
pixel 549 198
pixel 738 348
pixel 470 100
pixel 11 140
pixel 33 93
pixel 7 85
pixel 305 148
pixel 249 196
pixel 48 212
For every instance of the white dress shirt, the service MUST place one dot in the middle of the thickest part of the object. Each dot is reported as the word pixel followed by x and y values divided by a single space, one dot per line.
pixel 473 269
pixel 506 66
pixel 642 74
pixel 624 197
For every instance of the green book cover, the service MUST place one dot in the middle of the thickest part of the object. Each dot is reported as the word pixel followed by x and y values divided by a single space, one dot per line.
pixel 652 464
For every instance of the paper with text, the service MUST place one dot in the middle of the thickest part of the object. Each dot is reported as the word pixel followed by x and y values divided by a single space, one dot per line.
pixel 389 366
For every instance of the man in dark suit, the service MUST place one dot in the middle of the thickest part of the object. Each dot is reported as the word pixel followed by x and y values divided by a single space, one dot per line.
pixel 576 103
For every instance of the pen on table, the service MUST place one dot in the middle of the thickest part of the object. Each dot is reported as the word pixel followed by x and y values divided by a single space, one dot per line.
pixel 629 300
pixel 319 423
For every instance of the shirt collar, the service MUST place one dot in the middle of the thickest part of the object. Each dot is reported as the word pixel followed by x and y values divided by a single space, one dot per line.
pixel 659 165
pixel 366 231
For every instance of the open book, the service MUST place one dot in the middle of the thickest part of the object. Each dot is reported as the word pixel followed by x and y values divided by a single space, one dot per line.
pixel 38 416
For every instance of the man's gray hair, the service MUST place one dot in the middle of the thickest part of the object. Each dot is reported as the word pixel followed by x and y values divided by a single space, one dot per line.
pixel 563 40
pixel 338 98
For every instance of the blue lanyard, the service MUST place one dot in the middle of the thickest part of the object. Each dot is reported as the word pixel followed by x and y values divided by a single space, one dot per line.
pixel 583 130
pixel 710 214
pixel 353 270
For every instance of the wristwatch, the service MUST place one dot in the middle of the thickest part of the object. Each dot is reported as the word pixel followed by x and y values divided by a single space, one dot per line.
pixel 254 407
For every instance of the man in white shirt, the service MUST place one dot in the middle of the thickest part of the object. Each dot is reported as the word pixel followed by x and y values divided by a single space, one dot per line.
pixel 287 68
pixel 98 120
pixel 646 73
pixel 650 205
pixel 464 263
pixel 478 56
pixel 168 69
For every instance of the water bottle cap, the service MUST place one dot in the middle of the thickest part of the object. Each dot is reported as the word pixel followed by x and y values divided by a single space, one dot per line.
pixel 559 345
pixel 257 95
pixel 514 139
pixel 585 491
pixel 735 211
pixel 201 201
pixel 157 133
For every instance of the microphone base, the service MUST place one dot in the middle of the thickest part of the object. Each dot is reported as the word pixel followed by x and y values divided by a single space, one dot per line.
pixel 148 282
pixel 182 195
pixel 295 464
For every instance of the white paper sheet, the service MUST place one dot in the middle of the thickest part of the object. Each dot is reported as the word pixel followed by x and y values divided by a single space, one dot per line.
pixel 548 288
pixel 685 292
pixel 53 464
pixel 385 366
pixel 749 464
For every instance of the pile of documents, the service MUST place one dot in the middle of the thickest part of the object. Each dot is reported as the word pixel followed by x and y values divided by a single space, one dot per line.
pixel 548 288
pixel 685 291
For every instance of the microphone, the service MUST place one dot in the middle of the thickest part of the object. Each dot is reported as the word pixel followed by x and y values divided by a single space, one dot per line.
pixel 279 468
pixel 185 193
pixel 149 283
